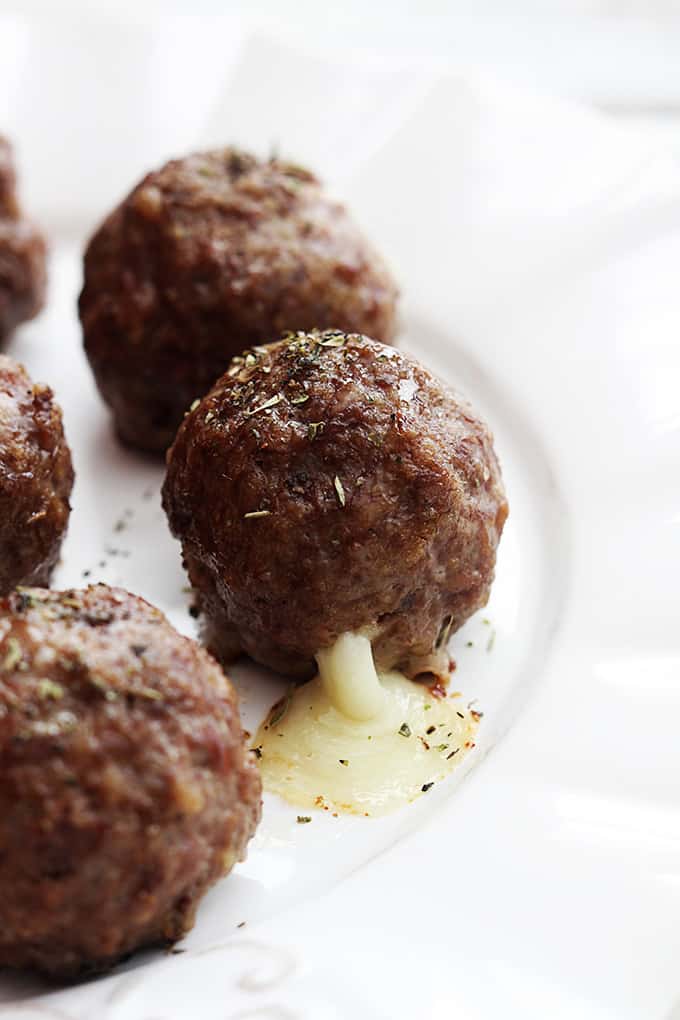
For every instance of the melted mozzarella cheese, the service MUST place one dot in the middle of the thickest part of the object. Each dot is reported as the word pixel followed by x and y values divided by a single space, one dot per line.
pixel 350 741
pixel 348 675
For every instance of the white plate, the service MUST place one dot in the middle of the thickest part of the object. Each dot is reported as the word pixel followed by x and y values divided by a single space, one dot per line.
pixel 539 254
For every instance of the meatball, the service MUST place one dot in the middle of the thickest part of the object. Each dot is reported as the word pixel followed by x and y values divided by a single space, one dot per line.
pixel 206 256
pixel 126 787
pixel 22 254
pixel 36 478
pixel 328 484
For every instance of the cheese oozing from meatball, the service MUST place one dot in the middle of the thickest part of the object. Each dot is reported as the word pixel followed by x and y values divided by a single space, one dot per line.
pixel 356 741
pixel 349 678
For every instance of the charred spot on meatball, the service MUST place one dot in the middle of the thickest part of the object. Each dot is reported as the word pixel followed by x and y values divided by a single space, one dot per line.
pixel 330 484
pixel 206 256
pixel 36 478
pixel 22 254
pixel 126 787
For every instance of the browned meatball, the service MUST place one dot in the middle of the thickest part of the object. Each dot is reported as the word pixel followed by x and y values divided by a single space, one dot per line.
pixel 22 254
pixel 126 787
pixel 210 254
pixel 36 478
pixel 326 484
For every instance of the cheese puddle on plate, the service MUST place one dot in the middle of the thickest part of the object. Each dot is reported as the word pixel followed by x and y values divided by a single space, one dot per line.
pixel 353 741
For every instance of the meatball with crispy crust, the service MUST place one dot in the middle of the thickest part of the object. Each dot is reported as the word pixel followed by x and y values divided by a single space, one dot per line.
pixel 206 256
pixel 36 478
pixel 22 254
pixel 329 484
pixel 126 789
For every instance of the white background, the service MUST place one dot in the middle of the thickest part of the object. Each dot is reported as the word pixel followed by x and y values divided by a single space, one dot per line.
pixel 622 54
pixel 619 55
